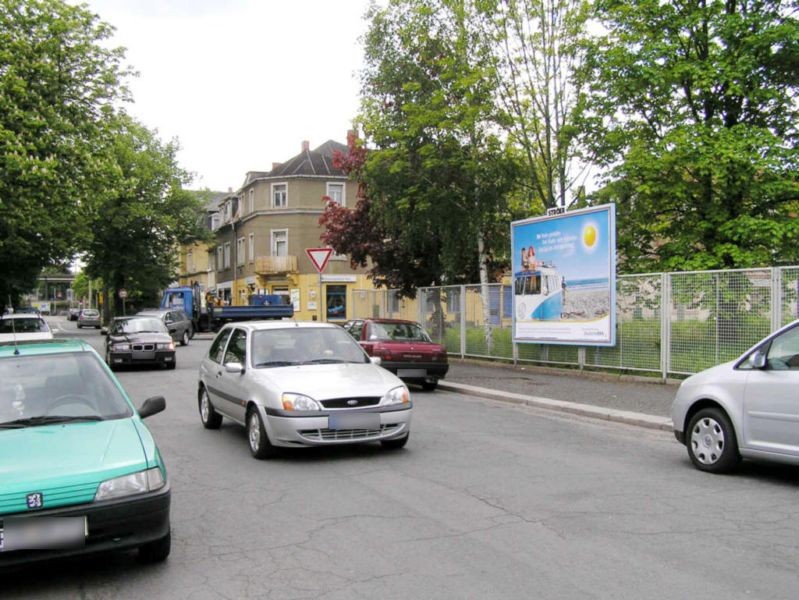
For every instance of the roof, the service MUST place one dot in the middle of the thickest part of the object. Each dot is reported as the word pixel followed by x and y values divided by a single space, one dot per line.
pixel 282 324
pixel 316 162
pixel 44 347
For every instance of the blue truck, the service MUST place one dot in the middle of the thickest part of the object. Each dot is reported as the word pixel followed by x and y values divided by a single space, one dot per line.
pixel 206 316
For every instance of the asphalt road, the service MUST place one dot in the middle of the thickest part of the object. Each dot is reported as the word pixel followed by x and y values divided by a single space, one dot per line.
pixel 488 500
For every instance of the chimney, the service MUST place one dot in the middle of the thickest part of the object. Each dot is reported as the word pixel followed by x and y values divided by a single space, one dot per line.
pixel 276 166
pixel 305 145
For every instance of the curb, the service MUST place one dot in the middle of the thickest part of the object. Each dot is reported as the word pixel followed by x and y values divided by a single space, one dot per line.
pixel 584 410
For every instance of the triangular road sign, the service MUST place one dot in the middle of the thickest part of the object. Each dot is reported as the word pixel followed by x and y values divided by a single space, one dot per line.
pixel 319 257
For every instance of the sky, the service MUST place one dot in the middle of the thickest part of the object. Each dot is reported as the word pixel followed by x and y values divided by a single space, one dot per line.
pixel 240 83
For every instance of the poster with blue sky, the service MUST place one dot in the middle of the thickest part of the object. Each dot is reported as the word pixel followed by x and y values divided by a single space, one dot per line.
pixel 564 278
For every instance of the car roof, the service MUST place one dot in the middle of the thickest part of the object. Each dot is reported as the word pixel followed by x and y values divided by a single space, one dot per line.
pixel 43 347
pixel 25 315
pixel 278 324
pixel 391 321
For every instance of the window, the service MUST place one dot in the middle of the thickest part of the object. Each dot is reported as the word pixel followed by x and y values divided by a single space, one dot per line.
pixel 237 348
pixel 190 262
pixel 220 258
pixel 241 257
pixel 336 193
pixel 280 242
pixel 336 302
pixel 215 221
pixel 251 247
pixel 280 195
pixel 783 352
pixel 252 201
pixel 227 255
pixel 215 353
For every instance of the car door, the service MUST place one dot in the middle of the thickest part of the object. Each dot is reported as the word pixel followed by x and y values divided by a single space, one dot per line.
pixel 231 385
pixel 172 326
pixel 211 371
pixel 771 398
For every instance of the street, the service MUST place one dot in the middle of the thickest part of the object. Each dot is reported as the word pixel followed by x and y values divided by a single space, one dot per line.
pixel 488 500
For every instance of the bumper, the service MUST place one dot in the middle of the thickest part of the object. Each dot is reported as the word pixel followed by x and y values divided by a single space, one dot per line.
pixel 417 372
pixel 316 430
pixel 158 357
pixel 89 323
pixel 680 435
pixel 112 525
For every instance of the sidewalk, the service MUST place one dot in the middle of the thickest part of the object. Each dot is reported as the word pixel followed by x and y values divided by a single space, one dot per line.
pixel 596 395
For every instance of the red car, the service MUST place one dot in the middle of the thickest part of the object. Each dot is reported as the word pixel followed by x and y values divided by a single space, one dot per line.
pixel 404 348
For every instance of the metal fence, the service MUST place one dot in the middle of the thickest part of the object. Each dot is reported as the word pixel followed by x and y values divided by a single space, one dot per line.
pixel 666 323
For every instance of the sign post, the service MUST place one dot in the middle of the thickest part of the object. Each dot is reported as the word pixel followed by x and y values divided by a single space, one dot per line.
pixel 123 293
pixel 319 258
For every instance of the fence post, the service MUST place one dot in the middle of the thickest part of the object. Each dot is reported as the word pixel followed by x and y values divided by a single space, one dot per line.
pixel 776 298
pixel 665 325
pixel 463 321
pixel 581 357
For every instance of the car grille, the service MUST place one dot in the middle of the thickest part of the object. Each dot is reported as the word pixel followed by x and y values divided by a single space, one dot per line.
pixel 52 497
pixel 143 347
pixel 351 402
pixel 328 435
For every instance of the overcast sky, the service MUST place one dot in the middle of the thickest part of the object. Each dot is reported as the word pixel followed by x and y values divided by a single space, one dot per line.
pixel 240 83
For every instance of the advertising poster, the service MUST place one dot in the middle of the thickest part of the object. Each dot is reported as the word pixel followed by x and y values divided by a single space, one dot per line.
pixel 564 278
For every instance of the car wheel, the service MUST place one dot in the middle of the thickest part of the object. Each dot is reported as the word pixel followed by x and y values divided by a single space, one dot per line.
pixel 184 341
pixel 157 551
pixel 191 332
pixel 429 385
pixel 209 417
pixel 108 359
pixel 79 325
pixel 711 441
pixel 396 443
pixel 171 366
pixel 260 446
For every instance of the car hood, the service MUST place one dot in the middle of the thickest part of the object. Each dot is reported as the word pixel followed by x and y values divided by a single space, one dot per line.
pixel 142 338
pixel 331 381
pixel 69 456
pixel 716 374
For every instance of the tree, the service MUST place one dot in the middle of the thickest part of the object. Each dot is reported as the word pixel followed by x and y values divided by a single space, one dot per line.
pixel 142 216
pixel 57 85
pixel 693 107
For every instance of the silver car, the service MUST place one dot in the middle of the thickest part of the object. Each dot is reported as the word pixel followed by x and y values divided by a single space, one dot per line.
pixel 747 408
pixel 300 384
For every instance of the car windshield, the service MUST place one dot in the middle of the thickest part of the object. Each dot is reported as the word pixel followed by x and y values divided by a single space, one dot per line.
pixel 56 388
pixel 23 325
pixel 90 313
pixel 142 325
pixel 404 332
pixel 304 345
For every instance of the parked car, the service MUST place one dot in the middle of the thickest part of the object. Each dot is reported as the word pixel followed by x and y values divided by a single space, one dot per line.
pixel 404 348
pixel 73 313
pixel 300 384
pixel 19 327
pixel 89 317
pixel 79 471
pixel 177 322
pixel 747 407
pixel 138 340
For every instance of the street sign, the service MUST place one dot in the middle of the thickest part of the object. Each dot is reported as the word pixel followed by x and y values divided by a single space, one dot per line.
pixel 123 293
pixel 319 257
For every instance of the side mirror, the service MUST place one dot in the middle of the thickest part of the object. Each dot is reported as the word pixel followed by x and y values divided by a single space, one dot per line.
pixel 758 359
pixel 375 360
pixel 152 406
pixel 234 367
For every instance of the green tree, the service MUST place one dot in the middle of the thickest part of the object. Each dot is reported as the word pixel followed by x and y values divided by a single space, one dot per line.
pixel 57 84
pixel 142 217
pixel 693 107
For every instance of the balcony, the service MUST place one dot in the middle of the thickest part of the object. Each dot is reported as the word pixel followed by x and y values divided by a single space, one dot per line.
pixel 275 265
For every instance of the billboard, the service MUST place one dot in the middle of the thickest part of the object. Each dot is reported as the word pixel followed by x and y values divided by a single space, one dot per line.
pixel 564 278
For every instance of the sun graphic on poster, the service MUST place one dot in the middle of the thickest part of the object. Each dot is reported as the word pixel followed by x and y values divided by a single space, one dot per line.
pixel 590 237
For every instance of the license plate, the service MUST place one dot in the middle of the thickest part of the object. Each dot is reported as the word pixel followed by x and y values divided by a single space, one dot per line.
pixel 43 533
pixel 350 421
pixel 411 373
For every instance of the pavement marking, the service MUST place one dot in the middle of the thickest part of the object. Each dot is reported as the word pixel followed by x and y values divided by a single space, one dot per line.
pixel 585 410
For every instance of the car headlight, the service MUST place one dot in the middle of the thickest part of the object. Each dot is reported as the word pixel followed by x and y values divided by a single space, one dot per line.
pixel 166 346
pixel 121 347
pixel 299 402
pixel 399 395
pixel 128 485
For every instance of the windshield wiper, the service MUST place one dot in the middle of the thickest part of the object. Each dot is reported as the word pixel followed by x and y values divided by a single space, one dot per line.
pixel 323 361
pixel 48 420
pixel 276 363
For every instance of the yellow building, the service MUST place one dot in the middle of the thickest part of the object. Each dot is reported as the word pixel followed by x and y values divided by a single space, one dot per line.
pixel 262 233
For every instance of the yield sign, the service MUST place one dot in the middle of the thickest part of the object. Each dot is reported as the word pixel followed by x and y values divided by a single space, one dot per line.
pixel 319 257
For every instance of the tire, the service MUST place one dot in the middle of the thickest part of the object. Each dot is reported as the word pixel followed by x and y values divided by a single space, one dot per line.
pixel 210 418
pixel 108 360
pixel 191 332
pixel 171 366
pixel 711 441
pixel 80 326
pixel 429 385
pixel 260 446
pixel 396 443
pixel 156 551
pixel 184 341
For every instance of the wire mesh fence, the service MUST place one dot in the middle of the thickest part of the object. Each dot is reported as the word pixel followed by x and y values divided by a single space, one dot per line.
pixel 667 323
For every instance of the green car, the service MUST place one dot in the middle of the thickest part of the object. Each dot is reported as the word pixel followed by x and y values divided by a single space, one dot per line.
pixel 79 471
